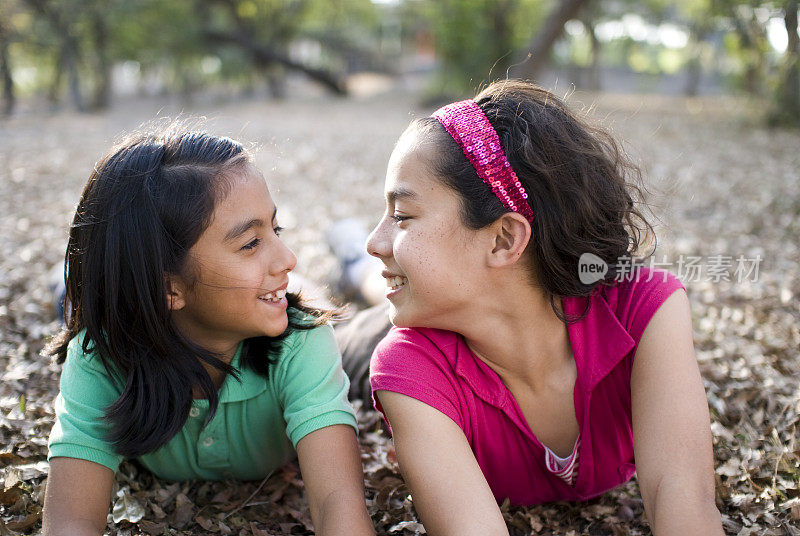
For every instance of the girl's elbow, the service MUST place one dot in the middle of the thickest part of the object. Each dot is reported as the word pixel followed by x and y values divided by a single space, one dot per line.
pixel 683 506
pixel 66 525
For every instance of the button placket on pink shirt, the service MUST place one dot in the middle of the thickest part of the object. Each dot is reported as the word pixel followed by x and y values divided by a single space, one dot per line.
pixel 501 397
pixel 599 342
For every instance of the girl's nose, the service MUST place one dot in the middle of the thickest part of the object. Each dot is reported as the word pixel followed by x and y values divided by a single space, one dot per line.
pixel 286 260
pixel 379 243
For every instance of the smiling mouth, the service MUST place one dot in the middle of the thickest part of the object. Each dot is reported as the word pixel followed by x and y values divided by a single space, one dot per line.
pixel 273 297
pixel 396 282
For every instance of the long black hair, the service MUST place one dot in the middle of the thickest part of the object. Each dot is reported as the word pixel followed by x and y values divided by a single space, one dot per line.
pixel 145 204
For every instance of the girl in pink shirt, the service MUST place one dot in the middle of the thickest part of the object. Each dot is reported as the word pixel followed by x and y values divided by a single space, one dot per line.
pixel 529 361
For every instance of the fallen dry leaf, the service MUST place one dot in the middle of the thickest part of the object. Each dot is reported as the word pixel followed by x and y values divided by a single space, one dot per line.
pixel 126 508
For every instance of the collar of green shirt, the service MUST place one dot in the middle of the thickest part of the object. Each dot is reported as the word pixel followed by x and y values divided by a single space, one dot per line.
pixel 251 383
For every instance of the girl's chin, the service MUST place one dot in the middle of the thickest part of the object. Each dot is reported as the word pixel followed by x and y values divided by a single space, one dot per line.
pixel 275 326
pixel 281 326
pixel 397 318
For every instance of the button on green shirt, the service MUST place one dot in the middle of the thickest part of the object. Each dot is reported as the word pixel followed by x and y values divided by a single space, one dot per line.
pixel 255 429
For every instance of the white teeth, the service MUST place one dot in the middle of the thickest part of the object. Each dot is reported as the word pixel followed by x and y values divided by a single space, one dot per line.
pixel 395 282
pixel 276 296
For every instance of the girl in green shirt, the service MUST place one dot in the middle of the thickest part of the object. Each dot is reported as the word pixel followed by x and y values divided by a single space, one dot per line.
pixel 183 348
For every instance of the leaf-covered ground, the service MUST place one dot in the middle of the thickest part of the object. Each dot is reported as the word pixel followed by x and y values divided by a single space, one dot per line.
pixel 721 186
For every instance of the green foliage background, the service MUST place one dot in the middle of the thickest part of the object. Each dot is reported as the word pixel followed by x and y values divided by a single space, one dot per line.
pixel 67 47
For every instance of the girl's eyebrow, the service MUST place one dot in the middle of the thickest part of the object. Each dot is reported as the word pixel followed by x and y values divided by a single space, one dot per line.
pixel 240 229
pixel 399 193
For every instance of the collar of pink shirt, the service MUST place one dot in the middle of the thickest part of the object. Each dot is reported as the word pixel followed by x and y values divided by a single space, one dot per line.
pixel 599 342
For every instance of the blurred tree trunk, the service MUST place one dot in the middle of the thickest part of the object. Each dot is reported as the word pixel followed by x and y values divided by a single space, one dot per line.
pixel 102 89
pixel 9 99
pixel 70 52
pixel 276 83
pixel 594 69
pixel 751 36
pixel 55 84
pixel 694 66
pixel 500 12
pixel 791 83
pixel 538 52
pixel 694 72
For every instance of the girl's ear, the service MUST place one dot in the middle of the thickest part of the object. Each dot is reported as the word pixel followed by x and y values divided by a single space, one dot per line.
pixel 511 234
pixel 176 292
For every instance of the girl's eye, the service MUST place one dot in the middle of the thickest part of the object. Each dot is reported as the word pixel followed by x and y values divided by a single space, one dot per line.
pixel 252 244
pixel 399 218
pixel 277 230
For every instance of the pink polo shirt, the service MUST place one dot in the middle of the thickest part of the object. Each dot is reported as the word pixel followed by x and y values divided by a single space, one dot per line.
pixel 437 368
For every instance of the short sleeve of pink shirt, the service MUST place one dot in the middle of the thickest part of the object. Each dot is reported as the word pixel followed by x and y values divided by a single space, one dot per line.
pixel 437 368
pixel 407 361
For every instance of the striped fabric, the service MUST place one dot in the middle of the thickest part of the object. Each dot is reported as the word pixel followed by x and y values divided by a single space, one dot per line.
pixel 564 468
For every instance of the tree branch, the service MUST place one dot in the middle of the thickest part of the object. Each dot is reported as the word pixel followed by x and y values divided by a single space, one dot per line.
pixel 264 55
pixel 538 52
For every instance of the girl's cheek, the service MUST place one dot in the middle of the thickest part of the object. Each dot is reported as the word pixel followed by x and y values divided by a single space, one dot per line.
pixel 400 246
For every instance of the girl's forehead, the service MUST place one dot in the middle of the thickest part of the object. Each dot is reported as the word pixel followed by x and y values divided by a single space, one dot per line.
pixel 244 175
pixel 406 173
pixel 246 194
pixel 414 153
pixel 413 139
pixel 247 171
pixel 416 183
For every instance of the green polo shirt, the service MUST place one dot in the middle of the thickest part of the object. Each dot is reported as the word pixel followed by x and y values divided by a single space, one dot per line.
pixel 255 429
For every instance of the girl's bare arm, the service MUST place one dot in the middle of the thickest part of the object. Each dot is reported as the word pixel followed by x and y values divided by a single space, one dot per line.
pixel 449 490
pixel 334 480
pixel 672 436
pixel 77 497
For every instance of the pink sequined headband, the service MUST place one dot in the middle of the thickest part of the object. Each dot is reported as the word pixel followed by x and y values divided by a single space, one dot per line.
pixel 469 127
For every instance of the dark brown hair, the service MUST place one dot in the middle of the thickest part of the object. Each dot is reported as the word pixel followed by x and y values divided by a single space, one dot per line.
pixel 581 185
pixel 144 206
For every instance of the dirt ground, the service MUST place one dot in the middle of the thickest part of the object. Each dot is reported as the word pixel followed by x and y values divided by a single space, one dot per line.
pixel 725 191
